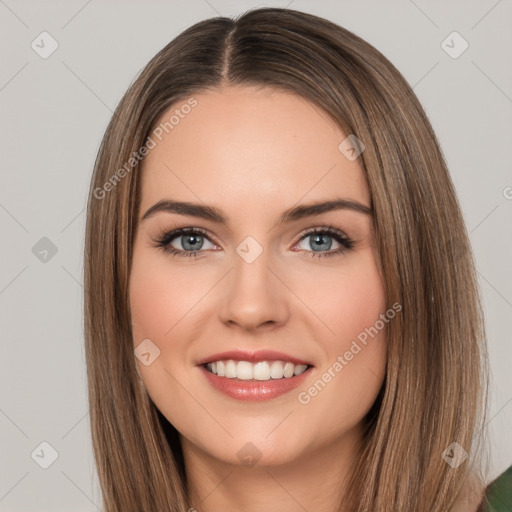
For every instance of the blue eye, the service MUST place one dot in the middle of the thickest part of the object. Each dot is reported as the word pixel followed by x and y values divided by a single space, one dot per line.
pixel 193 239
pixel 320 238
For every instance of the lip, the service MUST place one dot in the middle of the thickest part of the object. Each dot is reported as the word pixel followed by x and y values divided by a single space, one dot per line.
pixel 252 357
pixel 254 390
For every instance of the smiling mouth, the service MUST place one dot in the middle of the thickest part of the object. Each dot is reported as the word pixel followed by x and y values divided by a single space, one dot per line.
pixel 258 371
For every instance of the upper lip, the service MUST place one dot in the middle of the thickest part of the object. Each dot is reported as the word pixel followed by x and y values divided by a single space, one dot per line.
pixel 252 357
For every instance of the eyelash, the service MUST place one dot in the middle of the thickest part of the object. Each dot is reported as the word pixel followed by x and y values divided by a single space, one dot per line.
pixel 163 241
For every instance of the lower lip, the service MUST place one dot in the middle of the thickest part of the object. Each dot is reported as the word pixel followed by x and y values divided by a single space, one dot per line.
pixel 254 390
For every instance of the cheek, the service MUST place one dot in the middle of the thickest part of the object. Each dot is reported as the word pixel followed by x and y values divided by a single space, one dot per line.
pixel 161 302
pixel 152 304
pixel 167 307
pixel 346 300
pixel 360 302
pixel 160 297
pixel 350 303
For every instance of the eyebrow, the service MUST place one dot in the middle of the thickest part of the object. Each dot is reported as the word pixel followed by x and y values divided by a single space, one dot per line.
pixel 216 215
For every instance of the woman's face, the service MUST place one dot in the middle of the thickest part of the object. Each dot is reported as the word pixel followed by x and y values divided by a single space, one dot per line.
pixel 256 282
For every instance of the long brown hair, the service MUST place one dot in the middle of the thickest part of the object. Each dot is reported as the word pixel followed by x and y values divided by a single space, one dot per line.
pixel 434 390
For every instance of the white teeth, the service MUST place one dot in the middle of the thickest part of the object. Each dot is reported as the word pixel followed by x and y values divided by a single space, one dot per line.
pixel 262 370
pixel 230 371
pixel 288 370
pixel 244 370
pixel 276 370
pixel 299 368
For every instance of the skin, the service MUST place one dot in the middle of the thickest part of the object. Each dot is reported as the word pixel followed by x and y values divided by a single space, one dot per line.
pixel 253 153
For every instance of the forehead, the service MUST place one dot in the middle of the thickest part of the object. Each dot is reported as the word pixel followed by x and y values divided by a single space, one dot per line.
pixel 249 148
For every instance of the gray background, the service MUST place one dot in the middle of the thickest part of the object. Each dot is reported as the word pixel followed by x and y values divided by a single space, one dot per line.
pixel 54 113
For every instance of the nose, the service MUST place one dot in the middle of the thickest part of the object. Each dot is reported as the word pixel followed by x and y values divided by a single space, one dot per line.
pixel 254 297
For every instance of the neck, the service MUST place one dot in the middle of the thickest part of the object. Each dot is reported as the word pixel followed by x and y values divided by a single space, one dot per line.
pixel 314 480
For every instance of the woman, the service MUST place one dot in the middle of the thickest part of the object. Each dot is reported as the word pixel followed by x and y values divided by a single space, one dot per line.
pixel 269 373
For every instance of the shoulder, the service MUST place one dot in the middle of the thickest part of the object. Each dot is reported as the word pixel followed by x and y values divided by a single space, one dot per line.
pixel 498 494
